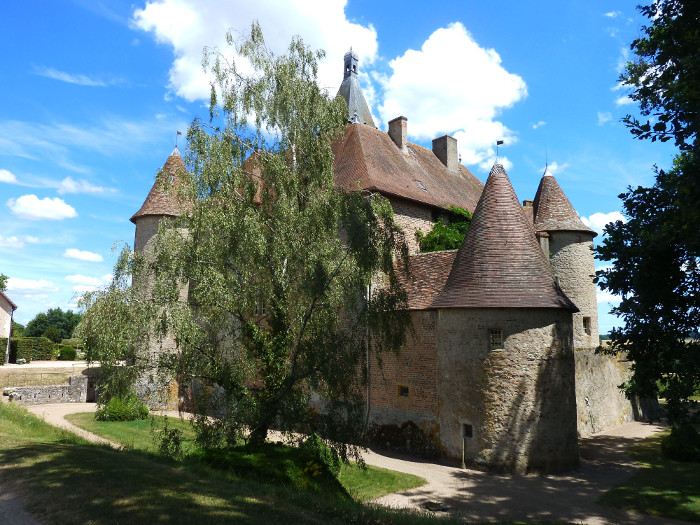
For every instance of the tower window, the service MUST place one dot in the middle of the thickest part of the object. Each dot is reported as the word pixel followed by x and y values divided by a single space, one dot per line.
pixel 402 391
pixel 587 325
pixel 467 431
pixel 496 338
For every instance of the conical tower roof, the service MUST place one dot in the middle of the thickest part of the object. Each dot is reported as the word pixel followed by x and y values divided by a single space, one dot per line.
pixel 162 200
pixel 553 211
pixel 352 93
pixel 500 263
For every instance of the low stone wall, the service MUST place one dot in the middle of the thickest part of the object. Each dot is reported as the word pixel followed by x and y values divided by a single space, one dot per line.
pixel 74 392
pixel 600 403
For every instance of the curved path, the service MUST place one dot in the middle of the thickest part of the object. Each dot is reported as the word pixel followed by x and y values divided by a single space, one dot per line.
pixel 480 496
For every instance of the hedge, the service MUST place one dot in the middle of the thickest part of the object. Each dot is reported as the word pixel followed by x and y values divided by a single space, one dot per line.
pixel 28 348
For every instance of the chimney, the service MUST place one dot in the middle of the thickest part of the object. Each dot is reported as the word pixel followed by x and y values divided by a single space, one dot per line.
pixel 398 133
pixel 445 149
pixel 528 204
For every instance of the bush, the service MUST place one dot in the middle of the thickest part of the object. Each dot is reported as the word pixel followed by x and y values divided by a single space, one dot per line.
pixel 122 409
pixel 682 444
pixel 66 353
pixel 408 437
pixel 315 447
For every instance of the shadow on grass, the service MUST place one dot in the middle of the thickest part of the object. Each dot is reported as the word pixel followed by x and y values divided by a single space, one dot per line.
pixel 73 483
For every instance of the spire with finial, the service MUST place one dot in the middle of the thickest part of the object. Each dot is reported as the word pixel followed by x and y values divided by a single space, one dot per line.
pixel 352 93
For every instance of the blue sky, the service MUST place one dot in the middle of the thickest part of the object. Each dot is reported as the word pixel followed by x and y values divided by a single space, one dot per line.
pixel 92 94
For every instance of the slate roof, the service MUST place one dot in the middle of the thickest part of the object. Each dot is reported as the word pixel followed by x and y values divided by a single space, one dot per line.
pixel 367 159
pixel 4 296
pixel 500 264
pixel 553 211
pixel 429 272
pixel 351 91
pixel 162 200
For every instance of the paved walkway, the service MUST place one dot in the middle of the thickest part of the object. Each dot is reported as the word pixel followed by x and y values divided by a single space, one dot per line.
pixel 480 496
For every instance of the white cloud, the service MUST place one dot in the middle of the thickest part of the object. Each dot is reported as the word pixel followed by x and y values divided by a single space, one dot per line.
pixel 623 59
pixel 598 220
pixel 613 14
pixel 73 253
pixel 453 85
pixel 555 167
pixel 7 176
pixel 32 207
pixel 72 78
pixel 69 185
pixel 538 124
pixel 607 297
pixel 623 100
pixel 83 288
pixel 604 117
pixel 188 26
pixel 15 242
pixel 16 284
pixel 84 279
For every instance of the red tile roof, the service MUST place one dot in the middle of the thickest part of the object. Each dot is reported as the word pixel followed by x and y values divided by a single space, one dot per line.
pixel 500 264
pixel 368 159
pixel 429 272
pixel 553 211
pixel 163 200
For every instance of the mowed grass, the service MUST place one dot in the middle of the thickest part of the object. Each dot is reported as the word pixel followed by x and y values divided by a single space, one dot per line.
pixel 662 487
pixel 362 484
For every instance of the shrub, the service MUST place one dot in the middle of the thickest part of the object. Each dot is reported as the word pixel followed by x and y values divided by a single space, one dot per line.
pixel 315 447
pixel 122 409
pixel 682 444
pixel 408 437
pixel 66 353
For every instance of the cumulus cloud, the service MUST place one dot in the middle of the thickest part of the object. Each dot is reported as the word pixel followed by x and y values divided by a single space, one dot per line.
pixel 33 208
pixel 613 14
pixel 538 124
pixel 453 85
pixel 69 185
pixel 604 117
pixel 15 242
pixel 598 220
pixel 73 78
pixel 84 279
pixel 15 284
pixel 607 297
pixel 188 26
pixel 623 100
pixel 7 176
pixel 555 167
pixel 73 253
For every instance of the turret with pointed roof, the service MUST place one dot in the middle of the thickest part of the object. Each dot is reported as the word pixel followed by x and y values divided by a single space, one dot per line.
pixel 500 263
pixel 553 211
pixel 352 93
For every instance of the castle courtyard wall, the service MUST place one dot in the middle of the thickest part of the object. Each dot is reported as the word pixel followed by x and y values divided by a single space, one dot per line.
pixel 519 400
pixel 411 217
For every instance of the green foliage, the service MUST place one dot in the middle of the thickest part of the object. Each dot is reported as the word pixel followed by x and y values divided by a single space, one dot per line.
pixel 682 444
pixel 17 329
pixel 3 282
pixel 55 324
pixel 28 348
pixel 448 233
pixel 169 441
pixel 656 252
pixel 66 353
pixel 73 341
pixel 120 408
pixel 317 449
pixel 264 224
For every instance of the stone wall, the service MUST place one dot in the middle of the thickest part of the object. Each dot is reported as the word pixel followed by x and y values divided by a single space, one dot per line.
pixel 600 403
pixel 5 320
pixel 413 368
pixel 411 217
pixel 573 265
pixel 74 392
pixel 518 400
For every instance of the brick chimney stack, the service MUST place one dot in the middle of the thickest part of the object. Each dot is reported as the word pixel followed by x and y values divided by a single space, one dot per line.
pixel 445 149
pixel 398 132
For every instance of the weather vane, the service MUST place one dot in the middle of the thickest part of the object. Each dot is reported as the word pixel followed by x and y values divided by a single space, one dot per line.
pixel 498 143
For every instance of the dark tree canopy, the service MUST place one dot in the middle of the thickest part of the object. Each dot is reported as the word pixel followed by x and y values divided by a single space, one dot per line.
pixel 656 252
pixel 55 324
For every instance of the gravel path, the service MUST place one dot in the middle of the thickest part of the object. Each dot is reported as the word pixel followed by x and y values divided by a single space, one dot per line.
pixel 470 494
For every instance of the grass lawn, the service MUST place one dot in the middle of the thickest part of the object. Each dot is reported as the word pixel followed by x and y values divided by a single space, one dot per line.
pixel 662 487
pixel 361 484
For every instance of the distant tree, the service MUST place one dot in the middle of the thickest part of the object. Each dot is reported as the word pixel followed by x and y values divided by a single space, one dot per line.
pixel 3 282
pixel 656 252
pixel 292 281
pixel 17 329
pixel 448 232
pixel 63 322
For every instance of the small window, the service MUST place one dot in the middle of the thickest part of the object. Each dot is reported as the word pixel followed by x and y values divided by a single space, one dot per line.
pixel 420 185
pixel 402 391
pixel 261 308
pixel 587 325
pixel 467 431
pixel 496 338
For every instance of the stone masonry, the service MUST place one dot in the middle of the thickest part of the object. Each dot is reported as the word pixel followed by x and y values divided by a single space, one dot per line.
pixel 74 392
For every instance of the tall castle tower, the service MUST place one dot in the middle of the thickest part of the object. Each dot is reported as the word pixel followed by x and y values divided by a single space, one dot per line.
pixel 352 93
pixel 569 245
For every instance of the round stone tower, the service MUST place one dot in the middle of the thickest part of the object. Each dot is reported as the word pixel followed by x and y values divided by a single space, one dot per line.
pixel 568 244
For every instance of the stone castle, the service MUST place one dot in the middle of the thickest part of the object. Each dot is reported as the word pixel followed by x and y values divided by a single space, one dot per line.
pixel 500 365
